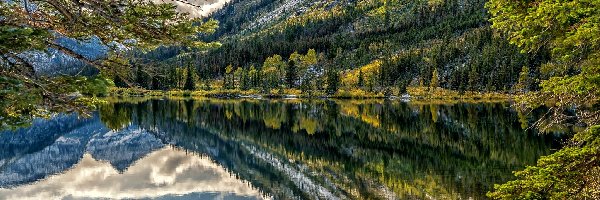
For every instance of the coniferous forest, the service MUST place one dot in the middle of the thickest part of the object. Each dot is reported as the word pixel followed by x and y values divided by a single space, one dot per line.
pixel 541 56
pixel 386 44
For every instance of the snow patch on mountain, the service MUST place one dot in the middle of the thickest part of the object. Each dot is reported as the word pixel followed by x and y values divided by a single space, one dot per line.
pixel 293 7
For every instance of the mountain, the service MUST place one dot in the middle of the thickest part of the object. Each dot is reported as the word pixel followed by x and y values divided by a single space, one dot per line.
pixel 54 63
pixel 392 42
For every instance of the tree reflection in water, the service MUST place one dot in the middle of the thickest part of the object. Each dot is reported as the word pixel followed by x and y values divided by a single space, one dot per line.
pixel 344 148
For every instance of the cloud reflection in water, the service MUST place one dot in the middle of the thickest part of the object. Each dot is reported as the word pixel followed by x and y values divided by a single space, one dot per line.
pixel 165 172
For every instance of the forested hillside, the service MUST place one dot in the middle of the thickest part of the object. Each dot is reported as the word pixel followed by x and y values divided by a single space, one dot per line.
pixel 374 45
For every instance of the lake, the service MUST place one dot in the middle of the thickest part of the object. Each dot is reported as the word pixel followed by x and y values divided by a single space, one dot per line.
pixel 270 149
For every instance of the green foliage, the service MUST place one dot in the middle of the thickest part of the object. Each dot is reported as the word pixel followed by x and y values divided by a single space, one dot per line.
pixel 19 103
pixel 254 77
pixel 333 81
pixel 585 83
pixel 453 36
pixel 435 77
pixel 244 79
pixel 190 83
pixel 361 79
pixel 20 39
pixel 571 173
pixel 22 102
pixel 568 30
pixel 229 79
pixel 524 80
pixel 291 72
pixel 135 24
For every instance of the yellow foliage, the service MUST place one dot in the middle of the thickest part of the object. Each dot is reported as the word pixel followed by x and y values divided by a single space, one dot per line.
pixel 357 93
pixel 352 110
pixel 370 70
pixel 289 91
pixel 272 122
pixel 309 124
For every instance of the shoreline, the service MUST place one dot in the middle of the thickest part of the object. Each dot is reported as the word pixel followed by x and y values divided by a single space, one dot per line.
pixel 415 93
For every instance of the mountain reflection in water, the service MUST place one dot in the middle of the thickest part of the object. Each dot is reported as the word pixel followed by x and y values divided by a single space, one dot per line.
pixel 166 171
pixel 281 149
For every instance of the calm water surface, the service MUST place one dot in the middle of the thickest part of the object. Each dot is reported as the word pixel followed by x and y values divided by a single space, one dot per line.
pixel 269 149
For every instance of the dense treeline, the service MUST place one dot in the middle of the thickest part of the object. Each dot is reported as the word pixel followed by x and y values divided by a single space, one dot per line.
pixel 393 43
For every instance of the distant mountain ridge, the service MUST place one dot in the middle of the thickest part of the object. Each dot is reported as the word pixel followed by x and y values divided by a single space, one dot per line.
pixel 54 62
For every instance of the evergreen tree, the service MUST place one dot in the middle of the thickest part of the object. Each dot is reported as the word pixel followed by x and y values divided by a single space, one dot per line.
pixel 29 26
pixel 402 84
pixel 524 80
pixel 254 77
pixel 190 84
pixel 434 80
pixel 228 81
pixel 568 32
pixel 270 78
pixel 361 79
pixel 245 80
pixel 140 77
pixel 333 81
pixel 237 77
pixel 291 74
pixel 473 79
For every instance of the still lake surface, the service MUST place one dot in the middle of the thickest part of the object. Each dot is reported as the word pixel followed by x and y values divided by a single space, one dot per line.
pixel 270 149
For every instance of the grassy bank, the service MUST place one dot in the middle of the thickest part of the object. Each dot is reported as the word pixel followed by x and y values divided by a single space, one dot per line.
pixel 423 93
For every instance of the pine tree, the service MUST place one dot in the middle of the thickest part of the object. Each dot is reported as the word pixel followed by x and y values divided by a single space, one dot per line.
pixel 473 79
pixel 140 77
pixel 333 81
pixel 361 79
pixel 434 84
pixel 237 78
pixel 245 80
pixel 254 77
pixel 524 80
pixel 291 74
pixel 402 84
pixel 228 82
pixel 190 84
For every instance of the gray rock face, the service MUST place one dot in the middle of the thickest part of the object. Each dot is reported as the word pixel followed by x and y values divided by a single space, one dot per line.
pixel 54 63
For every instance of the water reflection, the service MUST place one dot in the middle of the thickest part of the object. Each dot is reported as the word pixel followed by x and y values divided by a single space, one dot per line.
pixel 275 148
pixel 164 172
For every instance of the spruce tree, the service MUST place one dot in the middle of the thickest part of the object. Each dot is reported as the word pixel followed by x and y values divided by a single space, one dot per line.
pixel 228 81
pixel 190 84
pixel 524 80
pixel 333 81
pixel 434 80
pixel 245 80
pixel 291 73
pixel 361 79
